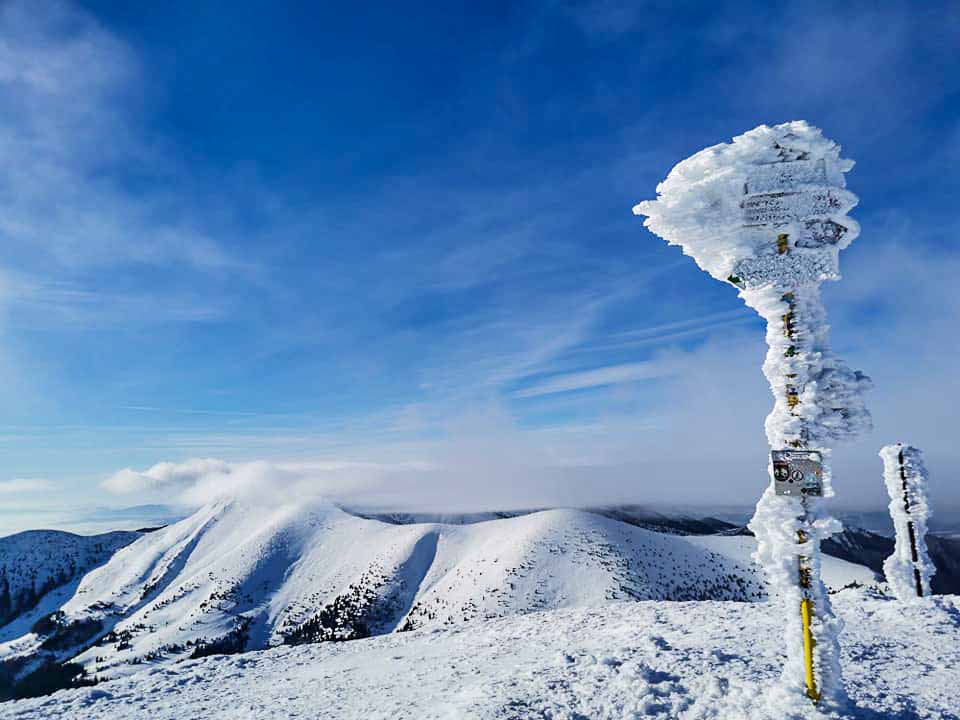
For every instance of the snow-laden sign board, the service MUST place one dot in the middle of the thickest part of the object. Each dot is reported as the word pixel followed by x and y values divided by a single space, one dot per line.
pixel 767 213
pixel 909 569
pixel 797 472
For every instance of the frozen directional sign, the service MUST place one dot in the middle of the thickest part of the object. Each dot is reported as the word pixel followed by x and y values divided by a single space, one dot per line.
pixel 768 209
pixel 797 472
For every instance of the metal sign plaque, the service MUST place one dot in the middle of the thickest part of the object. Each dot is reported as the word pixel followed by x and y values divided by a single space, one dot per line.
pixel 797 472
pixel 773 177
pixel 779 208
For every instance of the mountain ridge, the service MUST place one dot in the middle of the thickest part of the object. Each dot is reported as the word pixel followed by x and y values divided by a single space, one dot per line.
pixel 238 576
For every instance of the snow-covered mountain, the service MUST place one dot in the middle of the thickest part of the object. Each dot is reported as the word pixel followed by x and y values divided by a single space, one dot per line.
pixel 675 522
pixel 236 576
pixel 694 661
pixel 35 562
pixel 855 544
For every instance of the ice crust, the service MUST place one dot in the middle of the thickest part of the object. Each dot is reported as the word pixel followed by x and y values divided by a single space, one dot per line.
pixel 767 214
pixel 899 567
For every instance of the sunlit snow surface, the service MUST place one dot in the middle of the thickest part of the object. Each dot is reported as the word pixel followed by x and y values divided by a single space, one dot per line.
pixel 624 660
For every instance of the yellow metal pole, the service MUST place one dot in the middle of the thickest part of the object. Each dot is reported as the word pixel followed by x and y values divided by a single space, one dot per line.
pixel 803 567
pixel 806 611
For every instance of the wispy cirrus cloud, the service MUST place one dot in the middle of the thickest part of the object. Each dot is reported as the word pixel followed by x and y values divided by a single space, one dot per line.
pixel 102 226
pixel 48 303
pixel 597 377
pixel 665 334
pixel 68 139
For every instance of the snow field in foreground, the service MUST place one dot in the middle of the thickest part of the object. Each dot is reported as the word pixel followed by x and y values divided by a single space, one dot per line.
pixel 625 660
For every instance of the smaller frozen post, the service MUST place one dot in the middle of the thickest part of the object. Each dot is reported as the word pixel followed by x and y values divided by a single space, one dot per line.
pixel 909 569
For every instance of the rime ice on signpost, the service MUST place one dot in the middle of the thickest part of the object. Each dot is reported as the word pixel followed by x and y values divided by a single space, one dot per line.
pixel 767 214
pixel 908 570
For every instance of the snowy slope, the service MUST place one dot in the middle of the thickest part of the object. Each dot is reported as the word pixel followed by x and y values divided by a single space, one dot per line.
pixel 237 577
pixel 836 573
pixel 34 562
pixel 622 660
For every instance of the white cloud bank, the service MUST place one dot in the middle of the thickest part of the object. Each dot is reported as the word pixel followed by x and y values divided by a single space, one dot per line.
pixel 201 480
pixel 24 485
pixel 487 461
pixel 165 476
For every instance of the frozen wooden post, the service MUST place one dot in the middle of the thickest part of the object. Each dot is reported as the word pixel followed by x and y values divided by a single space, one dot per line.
pixel 767 214
pixel 908 570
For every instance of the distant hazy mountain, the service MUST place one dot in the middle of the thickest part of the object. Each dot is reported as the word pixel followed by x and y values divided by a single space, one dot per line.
pixel 944 522
pixel 162 513
pixel 132 517
pixel 89 521
pixel 856 544
pixel 666 521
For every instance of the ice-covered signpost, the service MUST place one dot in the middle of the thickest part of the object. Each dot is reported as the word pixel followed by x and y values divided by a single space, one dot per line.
pixel 767 214
pixel 908 570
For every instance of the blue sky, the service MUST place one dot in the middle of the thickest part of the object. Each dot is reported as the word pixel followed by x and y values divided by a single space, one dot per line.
pixel 397 237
